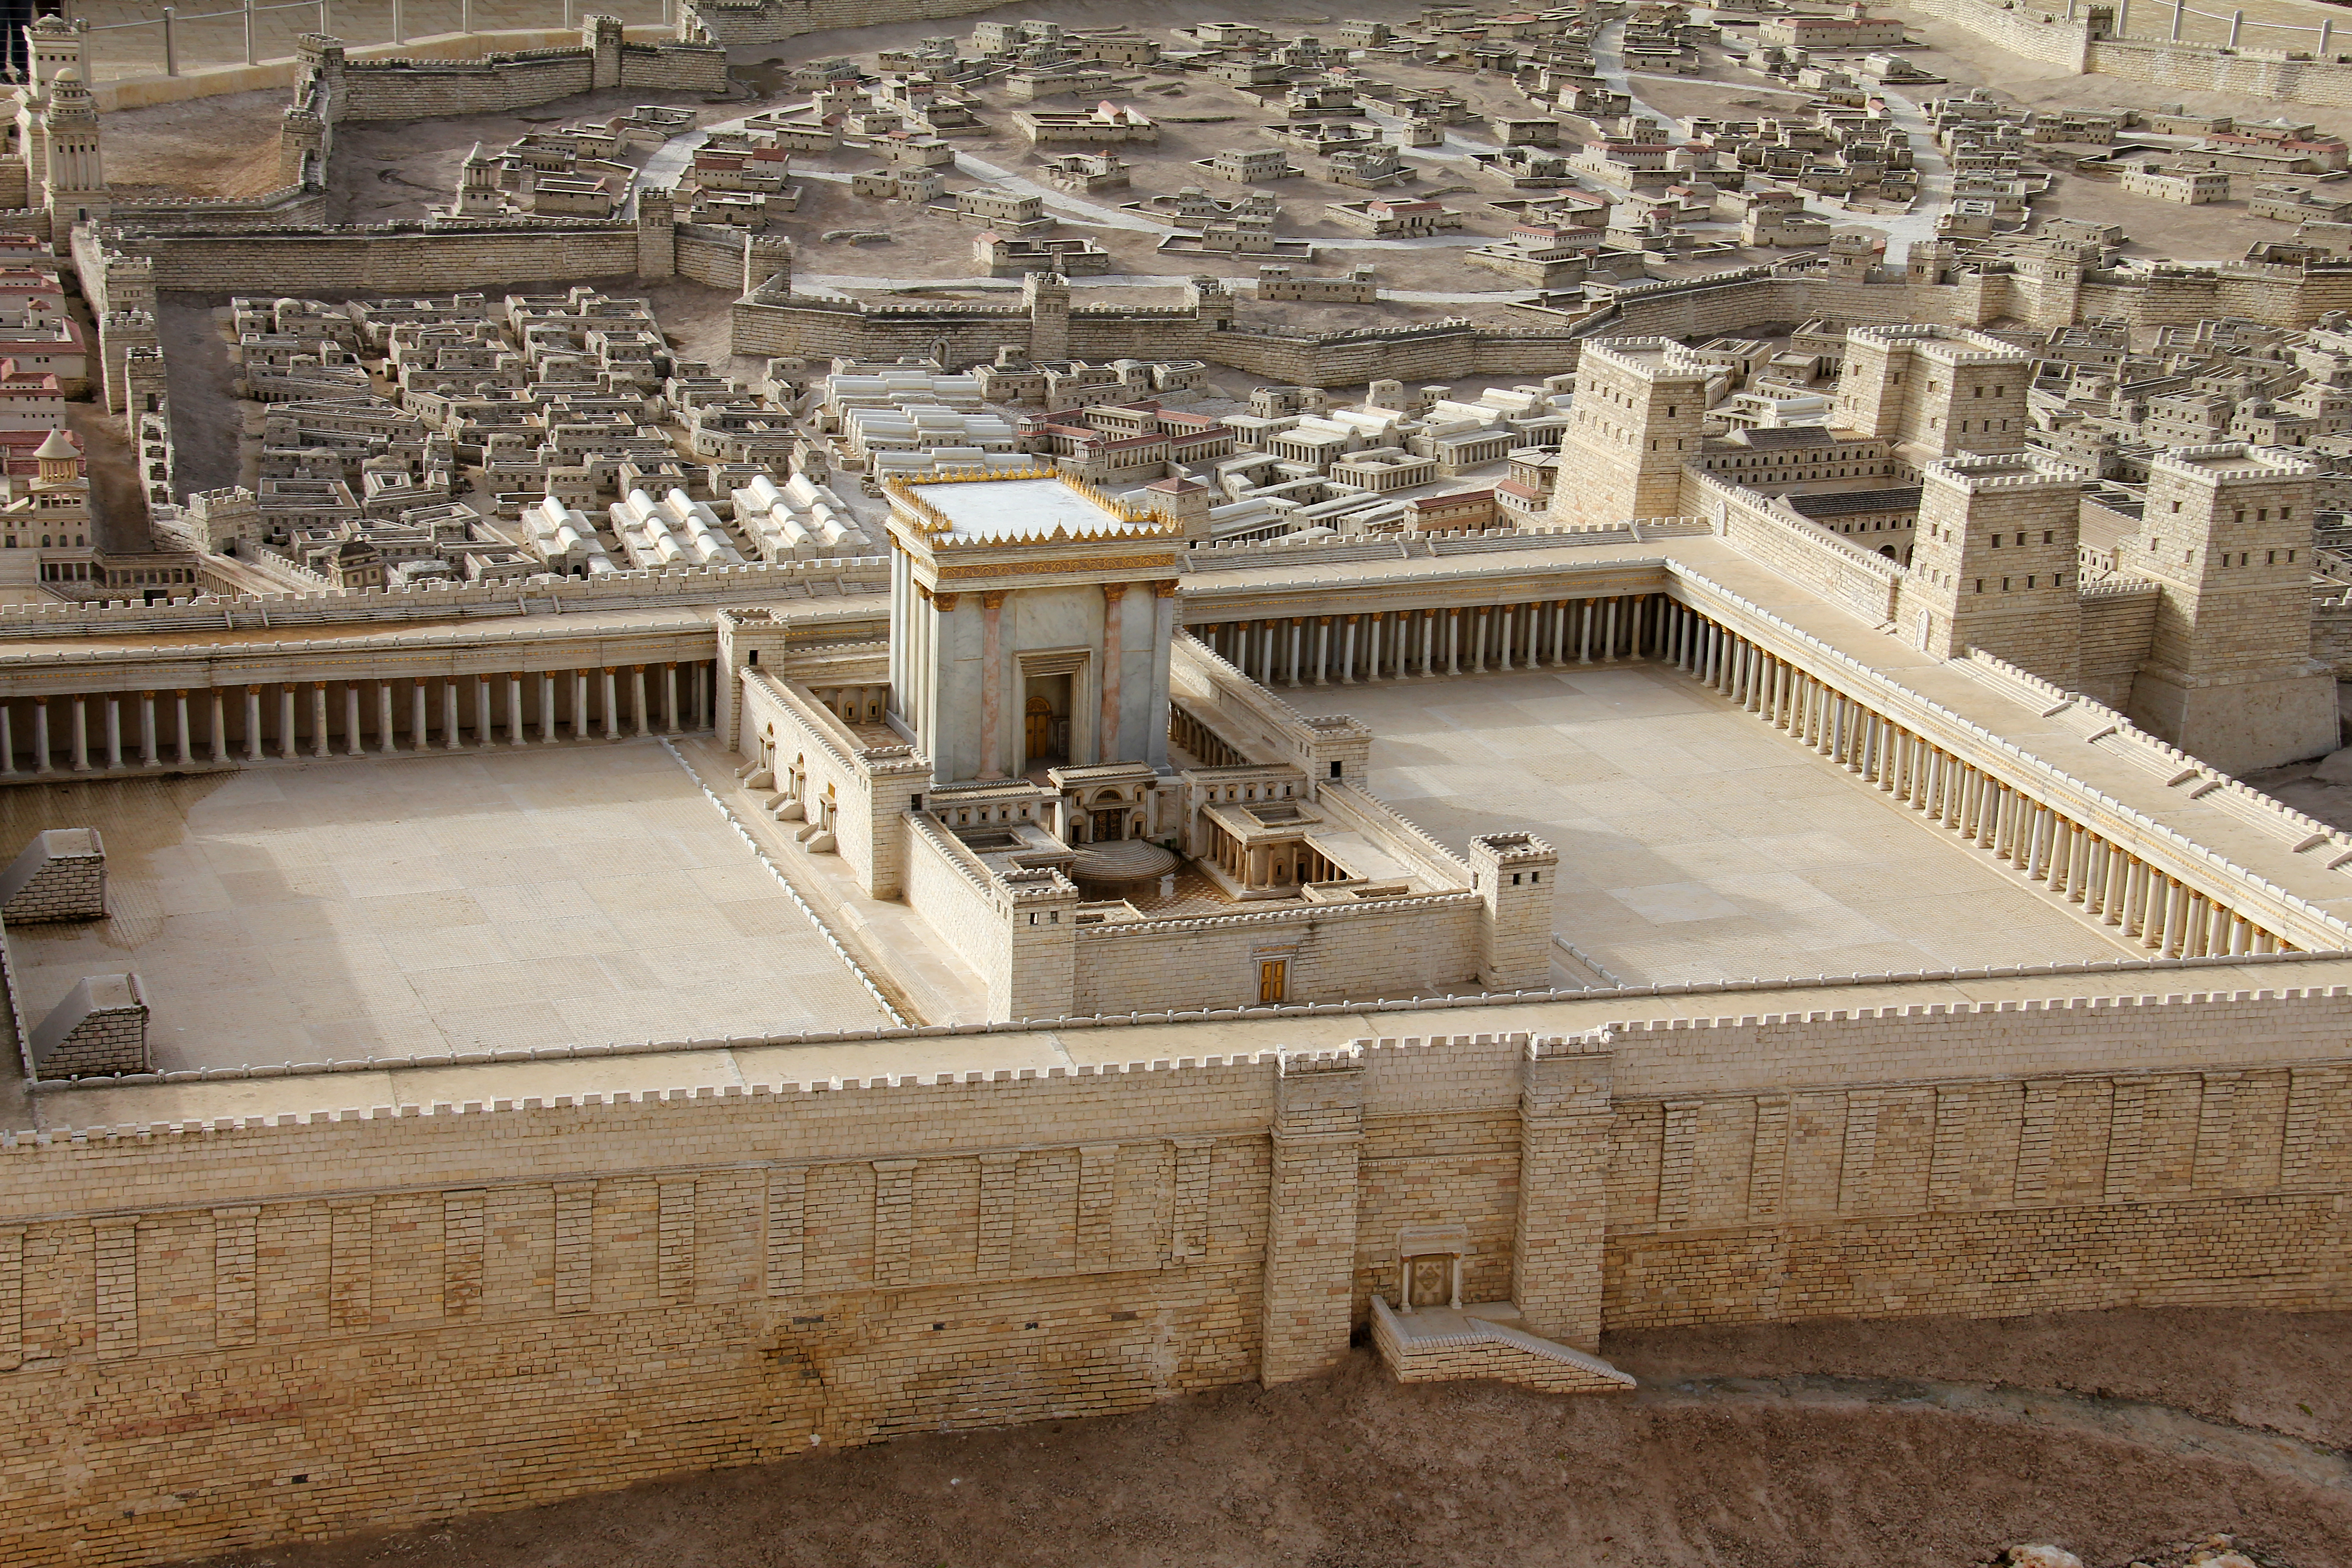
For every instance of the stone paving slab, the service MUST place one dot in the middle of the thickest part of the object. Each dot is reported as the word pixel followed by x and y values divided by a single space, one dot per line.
pixel 413 906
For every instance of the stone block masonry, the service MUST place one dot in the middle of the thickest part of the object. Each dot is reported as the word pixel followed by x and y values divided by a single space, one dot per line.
pixel 297 1325
pixel 100 1029
pixel 60 876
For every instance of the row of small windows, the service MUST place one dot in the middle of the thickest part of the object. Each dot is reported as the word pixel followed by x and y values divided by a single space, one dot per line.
pixel 2057 580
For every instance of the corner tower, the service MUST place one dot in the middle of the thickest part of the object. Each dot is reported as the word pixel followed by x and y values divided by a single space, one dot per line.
pixel 1934 392
pixel 1994 567
pixel 1638 416
pixel 2229 676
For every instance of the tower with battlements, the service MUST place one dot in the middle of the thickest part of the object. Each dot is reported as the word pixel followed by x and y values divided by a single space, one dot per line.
pixel 2230 677
pixel 1934 392
pixel 1638 417
pixel 1994 565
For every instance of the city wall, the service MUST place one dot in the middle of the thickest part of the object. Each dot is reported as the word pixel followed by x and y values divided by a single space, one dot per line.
pixel 390 258
pixel 431 89
pixel 300 1325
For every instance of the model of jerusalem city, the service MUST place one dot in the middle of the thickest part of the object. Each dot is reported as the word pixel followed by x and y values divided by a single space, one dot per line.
pixel 875 784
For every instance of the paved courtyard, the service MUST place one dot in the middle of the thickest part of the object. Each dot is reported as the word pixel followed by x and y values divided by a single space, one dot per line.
pixel 355 908
pixel 1696 843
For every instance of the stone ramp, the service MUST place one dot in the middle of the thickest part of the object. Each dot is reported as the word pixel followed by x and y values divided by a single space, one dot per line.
pixel 1444 1345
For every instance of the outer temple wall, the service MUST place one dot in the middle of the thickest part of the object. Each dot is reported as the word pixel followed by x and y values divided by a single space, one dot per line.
pixel 262 1319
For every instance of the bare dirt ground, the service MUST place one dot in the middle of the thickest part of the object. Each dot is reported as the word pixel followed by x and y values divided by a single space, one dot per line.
pixel 205 147
pixel 1355 1470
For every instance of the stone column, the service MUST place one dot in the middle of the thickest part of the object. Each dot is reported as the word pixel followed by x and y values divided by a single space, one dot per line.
pixel 40 734
pixel 1453 642
pixel 78 738
pixel 1478 644
pixel 1347 651
pixel 253 723
pixel 420 719
pixel 1310 1243
pixel 1509 631
pixel 612 695
pixel 670 701
pixel 354 735
pixel 637 700
pixel 186 741
pixel 220 730
pixel 1609 637
pixel 385 743
pixel 1322 649
pixel 1107 737
pixel 113 732
pixel 1298 636
pixel 286 738
pixel 1585 631
pixel 149 755
pixel 1555 1246
pixel 516 734
pixel 578 704
pixel 319 746
pixel 453 717
pixel 546 707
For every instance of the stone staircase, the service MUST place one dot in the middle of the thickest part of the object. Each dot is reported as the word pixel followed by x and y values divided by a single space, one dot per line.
pixel 1441 1344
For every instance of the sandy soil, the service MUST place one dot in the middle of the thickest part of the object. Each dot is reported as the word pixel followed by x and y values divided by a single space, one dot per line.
pixel 1356 1470
pixel 205 147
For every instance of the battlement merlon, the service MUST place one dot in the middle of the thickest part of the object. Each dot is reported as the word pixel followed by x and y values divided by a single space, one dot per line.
pixel 2230 461
pixel 2002 470
pixel 1651 359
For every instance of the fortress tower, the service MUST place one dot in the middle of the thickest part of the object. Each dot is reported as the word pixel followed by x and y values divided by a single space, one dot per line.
pixel 2229 676
pixel 1994 566
pixel 1934 392
pixel 73 186
pixel 477 187
pixel 1046 295
pixel 1638 416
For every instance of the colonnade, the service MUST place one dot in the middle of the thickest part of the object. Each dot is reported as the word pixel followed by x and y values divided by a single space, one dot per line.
pixel 1398 645
pixel 2164 914
pixel 225 725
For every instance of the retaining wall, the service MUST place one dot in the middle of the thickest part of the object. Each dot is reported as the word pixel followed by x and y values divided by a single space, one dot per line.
pixel 300 1325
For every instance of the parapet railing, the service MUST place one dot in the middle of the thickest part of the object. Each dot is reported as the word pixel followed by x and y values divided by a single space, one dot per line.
pixel 175 42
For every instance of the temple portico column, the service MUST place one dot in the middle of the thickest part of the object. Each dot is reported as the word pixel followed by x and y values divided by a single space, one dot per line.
pixel 453 718
pixel 1322 649
pixel 516 731
pixel 1478 641
pixel 1507 632
pixel 1372 644
pixel 78 739
pixel 1297 640
pixel 702 712
pixel 992 680
pixel 485 729
pixel 547 705
pixel 186 741
pixel 354 738
pixel 1453 642
pixel 580 704
pixel 286 738
pixel 612 695
pixel 147 754
pixel 1585 631
pixel 253 723
pixel 1347 651
pixel 40 734
pixel 385 744
pixel 1107 737
pixel 113 732
pixel 420 727
pixel 638 718
pixel 670 701
pixel 1429 620
pixel 1609 638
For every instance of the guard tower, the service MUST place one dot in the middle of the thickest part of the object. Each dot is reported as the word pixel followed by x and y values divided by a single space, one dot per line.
pixel 2229 676
pixel 1934 392
pixel 1994 567
pixel 1638 416
pixel 1030 623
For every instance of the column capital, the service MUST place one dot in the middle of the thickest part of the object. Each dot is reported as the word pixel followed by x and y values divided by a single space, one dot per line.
pixel 1113 593
pixel 991 598
pixel 945 603
pixel 1165 588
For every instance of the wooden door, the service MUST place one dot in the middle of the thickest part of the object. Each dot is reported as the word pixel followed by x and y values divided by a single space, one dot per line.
pixel 1272 979
pixel 1039 727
